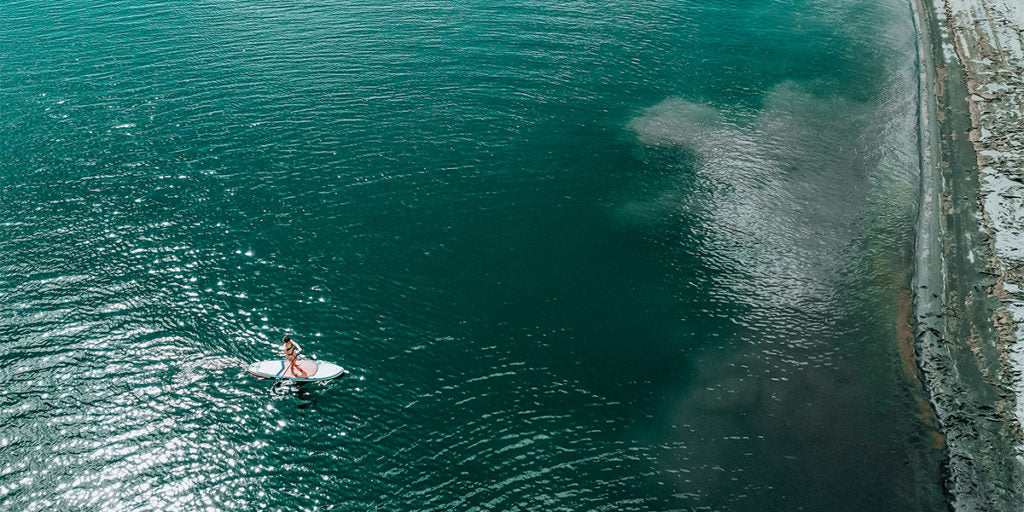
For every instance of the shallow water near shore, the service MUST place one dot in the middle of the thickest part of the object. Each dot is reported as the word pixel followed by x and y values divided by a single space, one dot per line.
pixel 637 256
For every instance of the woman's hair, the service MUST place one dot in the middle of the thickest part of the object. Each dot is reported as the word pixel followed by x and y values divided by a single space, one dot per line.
pixel 286 339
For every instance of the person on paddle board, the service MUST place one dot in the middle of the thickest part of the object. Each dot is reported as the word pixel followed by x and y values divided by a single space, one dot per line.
pixel 291 354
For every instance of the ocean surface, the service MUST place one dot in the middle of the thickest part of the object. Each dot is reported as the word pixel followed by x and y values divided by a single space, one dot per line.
pixel 641 255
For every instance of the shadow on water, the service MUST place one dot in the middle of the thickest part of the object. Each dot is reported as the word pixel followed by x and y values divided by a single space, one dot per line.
pixel 307 393
pixel 300 390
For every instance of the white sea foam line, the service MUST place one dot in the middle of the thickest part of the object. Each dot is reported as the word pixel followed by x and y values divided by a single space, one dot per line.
pixel 1013 11
pixel 1003 212
pixel 1017 359
pixel 1003 215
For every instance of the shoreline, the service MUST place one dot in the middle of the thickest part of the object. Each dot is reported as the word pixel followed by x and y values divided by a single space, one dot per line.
pixel 968 309
pixel 993 66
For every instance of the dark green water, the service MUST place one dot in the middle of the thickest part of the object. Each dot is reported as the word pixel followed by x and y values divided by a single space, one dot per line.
pixel 578 255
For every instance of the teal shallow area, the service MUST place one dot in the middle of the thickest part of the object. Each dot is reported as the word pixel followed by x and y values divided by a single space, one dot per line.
pixel 578 255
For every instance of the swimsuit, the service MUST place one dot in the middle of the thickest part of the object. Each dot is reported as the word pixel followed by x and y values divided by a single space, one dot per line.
pixel 292 355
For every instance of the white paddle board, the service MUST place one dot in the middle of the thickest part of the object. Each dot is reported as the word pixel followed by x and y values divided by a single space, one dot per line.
pixel 305 370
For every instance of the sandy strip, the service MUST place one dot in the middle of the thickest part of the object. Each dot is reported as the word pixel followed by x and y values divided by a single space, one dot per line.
pixel 968 300
pixel 989 39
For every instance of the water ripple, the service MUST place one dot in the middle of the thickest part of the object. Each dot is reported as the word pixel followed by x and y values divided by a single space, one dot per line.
pixel 577 256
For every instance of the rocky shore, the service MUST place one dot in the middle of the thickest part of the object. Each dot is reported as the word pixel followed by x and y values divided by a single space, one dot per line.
pixel 969 279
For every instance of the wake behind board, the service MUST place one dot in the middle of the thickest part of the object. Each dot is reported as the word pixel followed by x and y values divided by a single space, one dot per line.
pixel 305 370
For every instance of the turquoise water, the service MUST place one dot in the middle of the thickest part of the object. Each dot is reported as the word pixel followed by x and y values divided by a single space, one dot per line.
pixel 578 256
